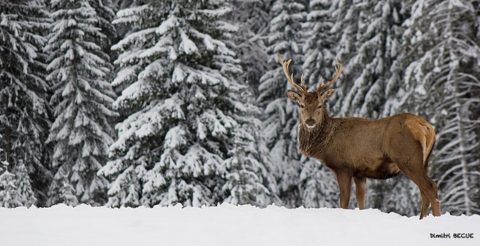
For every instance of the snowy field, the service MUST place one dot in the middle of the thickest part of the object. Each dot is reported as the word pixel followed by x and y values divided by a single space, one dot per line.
pixel 226 225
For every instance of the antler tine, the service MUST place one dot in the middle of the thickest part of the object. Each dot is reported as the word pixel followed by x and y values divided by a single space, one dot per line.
pixel 302 81
pixel 285 64
pixel 338 72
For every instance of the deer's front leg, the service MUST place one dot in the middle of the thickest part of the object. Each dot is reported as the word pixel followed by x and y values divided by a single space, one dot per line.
pixel 360 184
pixel 344 180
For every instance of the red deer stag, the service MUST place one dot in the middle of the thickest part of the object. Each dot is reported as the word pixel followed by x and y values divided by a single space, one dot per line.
pixel 362 148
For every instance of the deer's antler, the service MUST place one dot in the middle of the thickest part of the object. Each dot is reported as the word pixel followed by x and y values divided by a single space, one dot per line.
pixel 301 88
pixel 338 72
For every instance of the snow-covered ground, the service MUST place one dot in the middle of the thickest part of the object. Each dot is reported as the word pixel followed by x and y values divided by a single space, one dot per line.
pixel 226 225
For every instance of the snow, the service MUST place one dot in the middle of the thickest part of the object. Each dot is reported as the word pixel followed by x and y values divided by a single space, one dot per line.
pixel 167 25
pixel 187 45
pixel 226 225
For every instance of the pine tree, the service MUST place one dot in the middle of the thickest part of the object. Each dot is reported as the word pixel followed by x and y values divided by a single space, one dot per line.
pixel 280 115
pixel 444 78
pixel 82 99
pixel 181 141
pixel 23 92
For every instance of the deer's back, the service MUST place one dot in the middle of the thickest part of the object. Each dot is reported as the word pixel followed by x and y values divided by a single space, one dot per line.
pixel 371 148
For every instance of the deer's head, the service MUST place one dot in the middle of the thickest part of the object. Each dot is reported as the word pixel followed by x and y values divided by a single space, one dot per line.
pixel 312 104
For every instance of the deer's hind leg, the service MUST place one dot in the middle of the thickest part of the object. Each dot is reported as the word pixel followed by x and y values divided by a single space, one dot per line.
pixel 410 159
pixel 414 169
pixel 425 205
pixel 429 193
pixel 430 142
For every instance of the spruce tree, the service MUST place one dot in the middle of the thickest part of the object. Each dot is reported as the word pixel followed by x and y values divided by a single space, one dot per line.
pixel 368 41
pixel 252 18
pixel 280 116
pixel 250 179
pixel 444 82
pixel 369 51
pixel 318 187
pixel 10 196
pixel 182 140
pixel 23 105
pixel 320 43
pixel 15 186
pixel 82 99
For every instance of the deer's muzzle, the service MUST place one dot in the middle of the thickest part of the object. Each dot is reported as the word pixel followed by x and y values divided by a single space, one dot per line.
pixel 310 123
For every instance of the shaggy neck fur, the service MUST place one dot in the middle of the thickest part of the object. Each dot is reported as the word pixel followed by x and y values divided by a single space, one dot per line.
pixel 313 141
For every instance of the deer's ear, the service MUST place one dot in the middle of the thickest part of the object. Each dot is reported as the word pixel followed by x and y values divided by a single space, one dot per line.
pixel 294 96
pixel 328 93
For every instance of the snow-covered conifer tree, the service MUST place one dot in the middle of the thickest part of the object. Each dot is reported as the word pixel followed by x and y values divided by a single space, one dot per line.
pixel 15 186
pixel 280 116
pixel 399 195
pixel 252 18
pixel 105 15
pixel 182 140
pixel 10 196
pixel 82 103
pixel 23 185
pixel 368 63
pixel 444 79
pixel 368 41
pixel 250 179
pixel 320 42
pixel 318 187
pixel 23 104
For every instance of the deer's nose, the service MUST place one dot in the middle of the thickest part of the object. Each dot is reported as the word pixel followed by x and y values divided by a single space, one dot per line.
pixel 310 122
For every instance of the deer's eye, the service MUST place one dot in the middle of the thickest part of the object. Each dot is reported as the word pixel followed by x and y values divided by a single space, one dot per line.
pixel 301 105
pixel 320 106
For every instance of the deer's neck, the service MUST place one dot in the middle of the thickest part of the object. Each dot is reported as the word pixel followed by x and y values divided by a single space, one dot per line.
pixel 313 142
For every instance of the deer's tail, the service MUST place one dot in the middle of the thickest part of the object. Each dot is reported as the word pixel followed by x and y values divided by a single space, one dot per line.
pixel 430 143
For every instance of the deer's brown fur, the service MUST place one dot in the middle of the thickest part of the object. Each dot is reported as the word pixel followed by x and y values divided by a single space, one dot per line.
pixel 359 148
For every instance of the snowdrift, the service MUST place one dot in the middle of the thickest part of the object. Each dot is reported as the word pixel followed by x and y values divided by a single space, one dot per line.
pixel 228 225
